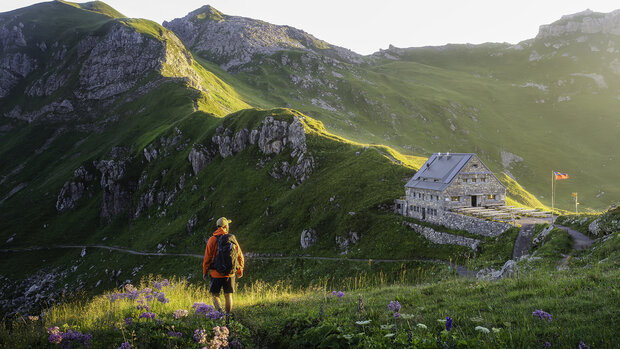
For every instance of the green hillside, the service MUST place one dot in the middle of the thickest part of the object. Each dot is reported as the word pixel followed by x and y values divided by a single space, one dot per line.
pixel 545 104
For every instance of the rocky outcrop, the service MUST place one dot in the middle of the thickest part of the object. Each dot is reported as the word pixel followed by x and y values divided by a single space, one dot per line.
pixel 272 138
pixel 73 191
pixel 586 22
pixel 116 192
pixel 199 157
pixel 540 238
pixel 233 41
pixel 344 242
pixel 117 62
pixel 308 238
pixel 509 269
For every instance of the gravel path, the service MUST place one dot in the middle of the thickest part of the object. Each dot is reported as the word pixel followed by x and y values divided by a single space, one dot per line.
pixel 522 245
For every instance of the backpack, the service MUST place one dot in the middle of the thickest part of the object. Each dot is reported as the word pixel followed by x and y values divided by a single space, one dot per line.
pixel 225 260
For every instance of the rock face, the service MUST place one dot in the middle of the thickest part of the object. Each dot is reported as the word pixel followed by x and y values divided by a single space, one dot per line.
pixel 308 238
pixel 116 193
pixel 74 190
pixel 97 67
pixel 199 157
pixel 586 22
pixel 233 41
pixel 272 138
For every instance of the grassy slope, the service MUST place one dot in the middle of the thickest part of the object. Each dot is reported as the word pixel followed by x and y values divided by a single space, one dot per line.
pixel 412 104
pixel 277 315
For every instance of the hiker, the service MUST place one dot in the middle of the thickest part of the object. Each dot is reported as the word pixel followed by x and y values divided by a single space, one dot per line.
pixel 223 266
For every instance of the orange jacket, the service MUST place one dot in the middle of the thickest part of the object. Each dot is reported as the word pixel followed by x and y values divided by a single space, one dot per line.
pixel 211 251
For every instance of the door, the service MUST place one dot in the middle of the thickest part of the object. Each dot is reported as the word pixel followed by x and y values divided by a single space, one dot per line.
pixel 474 201
pixel 423 213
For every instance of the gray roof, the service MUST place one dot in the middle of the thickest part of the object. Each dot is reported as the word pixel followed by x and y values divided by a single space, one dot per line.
pixel 439 171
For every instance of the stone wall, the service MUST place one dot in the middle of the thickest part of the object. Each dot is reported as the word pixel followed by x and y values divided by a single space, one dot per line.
pixel 472 225
pixel 443 238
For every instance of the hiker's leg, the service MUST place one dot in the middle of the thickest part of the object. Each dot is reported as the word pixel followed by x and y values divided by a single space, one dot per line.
pixel 228 302
pixel 216 301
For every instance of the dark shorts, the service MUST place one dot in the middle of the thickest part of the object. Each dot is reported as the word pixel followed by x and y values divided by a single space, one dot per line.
pixel 218 283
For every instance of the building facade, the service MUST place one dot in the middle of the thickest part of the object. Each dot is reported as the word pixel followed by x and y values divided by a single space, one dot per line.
pixel 448 181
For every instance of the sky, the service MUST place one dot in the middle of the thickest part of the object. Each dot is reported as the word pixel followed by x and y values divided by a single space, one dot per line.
pixel 367 26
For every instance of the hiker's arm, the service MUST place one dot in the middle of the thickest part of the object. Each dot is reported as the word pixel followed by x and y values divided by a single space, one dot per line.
pixel 241 261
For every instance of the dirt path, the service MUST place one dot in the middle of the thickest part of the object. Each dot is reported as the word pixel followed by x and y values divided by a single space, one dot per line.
pixel 580 241
pixel 462 271
pixel 522 245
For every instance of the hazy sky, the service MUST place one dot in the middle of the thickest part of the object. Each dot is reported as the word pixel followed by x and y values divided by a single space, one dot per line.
pixel 367 26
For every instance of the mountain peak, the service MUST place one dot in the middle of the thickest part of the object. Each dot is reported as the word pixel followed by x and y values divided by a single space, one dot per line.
pixel 206 12
pixel 584 22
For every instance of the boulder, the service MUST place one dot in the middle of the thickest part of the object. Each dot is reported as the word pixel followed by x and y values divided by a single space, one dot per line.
pixel 308 238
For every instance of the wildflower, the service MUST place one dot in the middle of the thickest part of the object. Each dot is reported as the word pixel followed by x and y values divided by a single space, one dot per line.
pixel 448 323
pixel 53 330
pixel 130 288
pixel 543 315
pixel 340 294
pixel 180 313
pixel 161 297
pixel 200 336
pixel 220 339
pixel 547 345
pixel 397 315
pixel 54 338
pixel 394 306
pixel 482 329
pixel 175 334
pixel 125 345
pixel 360 304
pixel 365 322
pixel 147 315
pixel 583 345
pixel 422 326
pixel 128 321
pixel 334 293
pixel 389 335
pixel 133 295
pixel 496 330
pixel 33 318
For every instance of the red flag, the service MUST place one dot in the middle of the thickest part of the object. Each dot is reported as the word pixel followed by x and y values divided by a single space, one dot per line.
pixel 559 175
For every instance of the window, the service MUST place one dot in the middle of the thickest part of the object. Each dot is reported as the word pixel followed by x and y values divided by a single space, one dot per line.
pixel 455 198
pixel 473 180
pixel 491 197
pixel 483 179
pixel 464 180
pixel 475 165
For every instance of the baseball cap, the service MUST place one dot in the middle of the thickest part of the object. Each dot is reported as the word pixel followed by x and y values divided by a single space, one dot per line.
pixel 223 221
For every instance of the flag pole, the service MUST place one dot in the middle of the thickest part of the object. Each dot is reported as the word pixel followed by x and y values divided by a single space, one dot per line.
pixel 552 194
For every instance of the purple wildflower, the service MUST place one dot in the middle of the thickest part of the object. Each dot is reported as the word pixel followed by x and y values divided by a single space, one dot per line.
pixel 448 323
pixel 547 345
pixel 147 315
pixel 175 334
pixel 334 293
pixel 133 295
pixel 397 315
pixel 543 315
pixel 583 345
pixel 340 294
pixel 128 321
pixel 161 297
pixel 394 306
pixel 54 338
pixel 125 345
